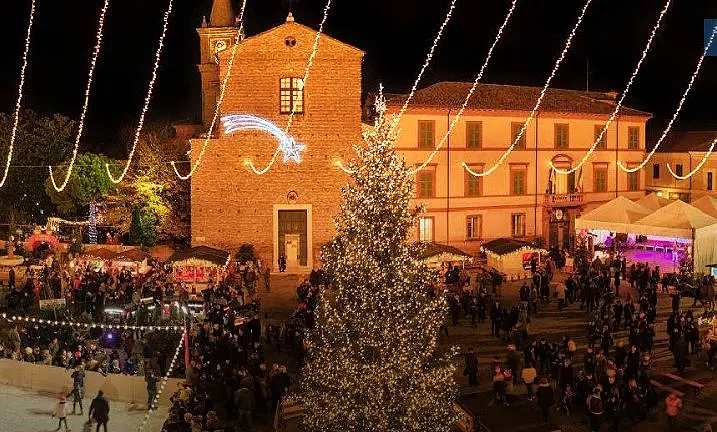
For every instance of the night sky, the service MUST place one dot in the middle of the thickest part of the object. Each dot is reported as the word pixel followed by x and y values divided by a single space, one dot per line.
pixel 396 35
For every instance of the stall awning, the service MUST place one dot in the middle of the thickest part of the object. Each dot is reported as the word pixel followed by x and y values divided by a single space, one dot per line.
pixel 132 255
pixel 445 253
pixel 615 215
pixel 677 219
pixel 98 254
pixel 707 204
pixel 217 257
pixel 505 246
pixel 653 201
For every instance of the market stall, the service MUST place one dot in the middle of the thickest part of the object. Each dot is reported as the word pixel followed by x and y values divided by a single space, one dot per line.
pixel 653 201
pixel 136 260
pixel 198 264
pixel 435 255
pixel 511 256
pixel 96 258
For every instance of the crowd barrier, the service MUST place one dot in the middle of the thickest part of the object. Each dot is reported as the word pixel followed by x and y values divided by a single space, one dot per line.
pixel 53 380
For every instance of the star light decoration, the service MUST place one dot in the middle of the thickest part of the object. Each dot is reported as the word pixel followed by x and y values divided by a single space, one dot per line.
pixel 243 122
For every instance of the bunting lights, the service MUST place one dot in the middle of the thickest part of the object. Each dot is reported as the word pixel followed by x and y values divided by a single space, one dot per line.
pixel 543 92
pixel 70 323
pixel 287 145
pixel 470 93
pixel 147 99
pixel 81 125
pixel 677 111
pixel 220 99
pixel 16 118
pixel 310 63
pixel 622 98
pixel 697 168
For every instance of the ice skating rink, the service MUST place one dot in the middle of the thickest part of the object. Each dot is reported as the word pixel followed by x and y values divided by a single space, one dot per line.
pixel 25 411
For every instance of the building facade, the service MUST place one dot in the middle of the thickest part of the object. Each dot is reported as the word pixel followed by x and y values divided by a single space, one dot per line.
pixel 683 151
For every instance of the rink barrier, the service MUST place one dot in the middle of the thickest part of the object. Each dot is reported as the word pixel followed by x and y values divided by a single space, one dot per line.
pixel 54 380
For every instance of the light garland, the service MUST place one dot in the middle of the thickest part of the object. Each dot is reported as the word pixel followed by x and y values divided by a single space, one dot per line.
pixel 81 124
pixel 310 63
pixel 697 168
pixel 470 93
pixel 543 92
pixel 147 99
pixel 238 122
pixel 222 93
pixel 70 323
pixel 677 111
pixel 427 62
pixel 163 383
pixel 16 119
pixel 620 102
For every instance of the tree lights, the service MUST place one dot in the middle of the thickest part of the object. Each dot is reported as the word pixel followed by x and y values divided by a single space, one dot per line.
pixel 16 118
pixel 373 361
pixel 81 125
pixel 558 62
pixel 147 99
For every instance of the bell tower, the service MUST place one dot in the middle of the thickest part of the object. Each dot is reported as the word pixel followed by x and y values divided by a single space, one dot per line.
pixel 216 36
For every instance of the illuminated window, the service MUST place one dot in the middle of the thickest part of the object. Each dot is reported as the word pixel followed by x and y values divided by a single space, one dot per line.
pixel 426 134
pixel 474 227
pixel 292 95
pixel 517 224
pixel 425 184
pixel 474 134
pixel 602 144
pixel 515 131
pixel 561 136
pixel 633 137
pixel 425 229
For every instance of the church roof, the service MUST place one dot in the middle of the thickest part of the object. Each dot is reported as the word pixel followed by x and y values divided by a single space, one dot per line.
pixel 222 14
pixel 500 97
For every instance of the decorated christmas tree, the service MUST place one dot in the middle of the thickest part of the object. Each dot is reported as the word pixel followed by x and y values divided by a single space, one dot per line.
pixel 374 363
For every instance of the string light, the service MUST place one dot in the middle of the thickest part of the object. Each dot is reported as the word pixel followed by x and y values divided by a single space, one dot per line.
pixel 470 93
pixel 16 119
pixel 543 92
pixel 302 85
pixel 238 122
pixel 622 98
pixel 163 383
pixel 147 99
pixel 677 111
pixel 697 168
pixel 222 93
pixel 70 323
pixel 81 124
pixel 429 57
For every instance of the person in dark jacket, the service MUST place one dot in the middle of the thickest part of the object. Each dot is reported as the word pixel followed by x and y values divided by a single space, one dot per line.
pixel 100 411
pixel 471 367
pixel 545 397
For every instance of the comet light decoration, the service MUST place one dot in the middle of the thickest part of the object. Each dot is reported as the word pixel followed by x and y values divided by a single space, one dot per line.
pixel 147 99
pixel 81 124
pixel 245 122
pixel 543 92
pixel 309 64
pixel 697 168
pixel 677 111
pixel 620 102
pixel 16 118
pixel 220 99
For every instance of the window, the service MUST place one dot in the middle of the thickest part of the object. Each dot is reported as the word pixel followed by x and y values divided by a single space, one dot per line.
pixel 656 171
pixel 426 134
pixel 292 95
pixel 474 134
pixel 474 227
pixel 473 184
pixel 602 144
pixel 710 180
pixel 425 229
pixel 633 181
pixel 678 169
pixel 425 184
pixel 633 137
pixel 517 224
pixel 517 181
pixel 600 178
pixel 561 136
pixel 515 131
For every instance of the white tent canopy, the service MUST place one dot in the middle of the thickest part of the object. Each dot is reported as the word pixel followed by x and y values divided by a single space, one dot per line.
pixel 677 219
pixel 653 201
pixel 707 204
pixel 615 215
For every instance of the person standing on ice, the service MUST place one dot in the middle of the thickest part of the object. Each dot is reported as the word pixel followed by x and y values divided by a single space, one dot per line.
pixel 60 411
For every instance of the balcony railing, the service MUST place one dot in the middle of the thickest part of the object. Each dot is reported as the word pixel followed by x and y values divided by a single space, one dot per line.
pixel 565 200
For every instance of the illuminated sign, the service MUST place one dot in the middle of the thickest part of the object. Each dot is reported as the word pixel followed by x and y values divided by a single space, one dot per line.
pixel 241 122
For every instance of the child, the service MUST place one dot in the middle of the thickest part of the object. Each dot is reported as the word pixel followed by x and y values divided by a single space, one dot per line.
pixel 61 412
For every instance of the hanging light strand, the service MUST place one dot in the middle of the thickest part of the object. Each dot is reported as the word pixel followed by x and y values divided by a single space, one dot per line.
pixel 147 100
pixel 290 121
pixel 81 125
pixel 620 102
pixel 697 168
pixel 470 93
pixel 677 111
pixel 543 92
pixel 163 383
pixel 70 323
pixel 426 63
pixel 16 118
pixel 222 93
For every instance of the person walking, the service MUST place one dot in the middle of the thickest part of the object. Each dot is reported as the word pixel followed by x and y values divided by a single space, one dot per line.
pixel 245 403
pixel 78 388
pixel 529 374
pixel 100 411
pixel 471 367
pixel 673 404
pixel 60 411
pixel 151 390
pixel 545 397
pixel 595 409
